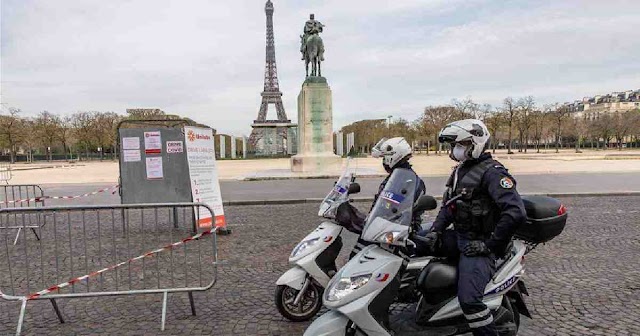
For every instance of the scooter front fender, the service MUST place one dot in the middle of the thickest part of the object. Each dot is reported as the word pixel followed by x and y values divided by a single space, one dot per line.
pixel 331 323
pixel 293 278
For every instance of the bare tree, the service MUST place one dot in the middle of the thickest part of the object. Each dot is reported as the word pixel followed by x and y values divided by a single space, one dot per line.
pixel 603 126
pixel 30 142
pixel 402 127
pixel 367 132
pixel 11 131
pixel 434 118
pixel 467 107
pixel 523 120
pixel 623 124
pixel 636 128
pixel 594 132
pixel 485 111
pixel 105 130
pixel 495 121
pixel 579 128
pixel 65 135
pixel 509 109
pixel 83 129
pixel 143 114
pixel 47 129
pixel 539 122
pixel 559 114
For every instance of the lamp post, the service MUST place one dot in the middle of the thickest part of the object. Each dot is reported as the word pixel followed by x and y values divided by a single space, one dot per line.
pixel 389 125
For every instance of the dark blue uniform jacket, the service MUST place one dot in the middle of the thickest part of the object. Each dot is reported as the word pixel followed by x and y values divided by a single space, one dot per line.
pixel 501 187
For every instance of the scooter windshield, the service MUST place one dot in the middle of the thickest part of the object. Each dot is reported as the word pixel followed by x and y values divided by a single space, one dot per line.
pixel 338 195
pixel 394 205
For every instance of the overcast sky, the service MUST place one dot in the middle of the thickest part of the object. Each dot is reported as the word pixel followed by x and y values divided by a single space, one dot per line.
pixel 205 59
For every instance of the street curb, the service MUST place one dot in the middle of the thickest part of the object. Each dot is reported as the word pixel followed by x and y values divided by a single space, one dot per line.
pixel 313 177
pixel 16 169
pixel 588 194
pixel 287 201
pixel 370 199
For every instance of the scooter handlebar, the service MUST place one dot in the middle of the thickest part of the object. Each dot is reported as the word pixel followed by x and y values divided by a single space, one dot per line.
pixel 421 239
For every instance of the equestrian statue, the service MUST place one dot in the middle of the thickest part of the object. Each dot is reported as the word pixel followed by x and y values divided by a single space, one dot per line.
pixel 312 48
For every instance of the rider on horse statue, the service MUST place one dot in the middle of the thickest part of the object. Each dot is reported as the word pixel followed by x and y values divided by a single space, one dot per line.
pixel 311 27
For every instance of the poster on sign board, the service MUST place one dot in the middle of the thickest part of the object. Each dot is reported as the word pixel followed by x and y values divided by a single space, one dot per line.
pixel 154 168
pixel 174 147
pixel 203 172
pixel 131 155
pixel 130 143
pixel 152 143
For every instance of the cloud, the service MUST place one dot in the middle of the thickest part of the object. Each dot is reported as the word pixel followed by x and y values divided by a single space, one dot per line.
pixel 205 59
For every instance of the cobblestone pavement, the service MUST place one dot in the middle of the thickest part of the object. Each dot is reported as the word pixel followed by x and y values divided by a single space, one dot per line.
pixel 584 282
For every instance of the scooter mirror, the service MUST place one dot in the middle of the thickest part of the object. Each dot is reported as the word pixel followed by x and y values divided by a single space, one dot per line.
pixel 425 202
pixel 354 188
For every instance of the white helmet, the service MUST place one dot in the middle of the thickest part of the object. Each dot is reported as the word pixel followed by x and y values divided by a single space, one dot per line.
pixel 469 132
pixel 393 151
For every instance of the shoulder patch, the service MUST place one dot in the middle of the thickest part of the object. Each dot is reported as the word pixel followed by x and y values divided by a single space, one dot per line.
pixel 506 183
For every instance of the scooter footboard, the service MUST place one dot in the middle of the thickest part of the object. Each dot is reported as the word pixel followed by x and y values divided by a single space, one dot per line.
pixel 331 323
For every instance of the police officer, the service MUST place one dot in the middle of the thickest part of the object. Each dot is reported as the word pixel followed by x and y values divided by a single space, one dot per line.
pixel 395 153
pixel 482 203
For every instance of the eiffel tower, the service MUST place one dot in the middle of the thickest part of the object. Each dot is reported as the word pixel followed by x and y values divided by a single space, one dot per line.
pixel 269 137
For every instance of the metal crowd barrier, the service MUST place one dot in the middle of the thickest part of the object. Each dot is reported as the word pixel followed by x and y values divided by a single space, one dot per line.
pixel 5 172
pixel 21 196
pixel 109 250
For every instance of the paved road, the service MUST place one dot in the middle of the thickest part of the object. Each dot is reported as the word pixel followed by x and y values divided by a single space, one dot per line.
pixel 556 183
pixel 582 283
pixel 318 188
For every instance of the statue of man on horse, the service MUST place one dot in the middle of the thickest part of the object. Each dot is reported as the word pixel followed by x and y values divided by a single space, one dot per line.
pixel 311 47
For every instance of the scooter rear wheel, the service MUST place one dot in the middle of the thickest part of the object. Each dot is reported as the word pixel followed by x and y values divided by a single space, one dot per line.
pixel 308 306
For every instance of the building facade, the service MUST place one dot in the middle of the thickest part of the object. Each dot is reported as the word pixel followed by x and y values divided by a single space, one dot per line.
pixel 616 102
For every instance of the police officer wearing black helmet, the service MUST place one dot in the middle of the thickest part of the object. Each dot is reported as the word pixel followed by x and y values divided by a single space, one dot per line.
pixel 395 153
pixel 485 209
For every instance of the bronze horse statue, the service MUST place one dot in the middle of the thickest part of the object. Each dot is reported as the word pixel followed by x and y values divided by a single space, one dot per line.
pixel 313 53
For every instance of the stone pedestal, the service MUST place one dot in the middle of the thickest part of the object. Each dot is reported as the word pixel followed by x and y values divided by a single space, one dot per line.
pixel 315 129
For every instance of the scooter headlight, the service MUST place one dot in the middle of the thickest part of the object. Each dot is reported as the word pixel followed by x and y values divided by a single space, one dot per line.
pixel 345 286
pixel 303 245
pixel 391 238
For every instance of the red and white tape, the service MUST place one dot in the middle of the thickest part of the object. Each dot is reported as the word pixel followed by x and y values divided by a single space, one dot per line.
pixel 42 198
pixel 92 274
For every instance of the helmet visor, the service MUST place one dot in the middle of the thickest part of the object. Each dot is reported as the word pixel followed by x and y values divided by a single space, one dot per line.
pixel 377 151
pixel 453 133
pixel 447 138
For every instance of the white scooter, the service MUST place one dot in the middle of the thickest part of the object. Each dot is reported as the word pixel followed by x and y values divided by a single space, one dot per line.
pixel 360 294
pixel 299 290
pixel 298 295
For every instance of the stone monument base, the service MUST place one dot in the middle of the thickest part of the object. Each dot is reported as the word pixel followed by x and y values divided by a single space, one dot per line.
pixel 315 129
pixel 315 163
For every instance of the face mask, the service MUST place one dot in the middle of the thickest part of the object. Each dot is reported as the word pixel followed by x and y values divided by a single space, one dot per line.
pixel 459 153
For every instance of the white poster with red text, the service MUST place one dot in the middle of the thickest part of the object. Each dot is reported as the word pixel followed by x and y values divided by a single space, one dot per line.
pixel 203 172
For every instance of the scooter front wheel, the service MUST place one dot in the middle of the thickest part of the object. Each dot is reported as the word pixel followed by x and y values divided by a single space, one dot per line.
pixel 307 307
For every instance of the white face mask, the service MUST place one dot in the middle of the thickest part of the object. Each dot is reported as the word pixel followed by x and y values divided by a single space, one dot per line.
pixel 459 152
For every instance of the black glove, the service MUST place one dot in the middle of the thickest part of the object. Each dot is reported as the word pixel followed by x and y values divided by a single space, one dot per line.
pixel 476 248
pixel 430 239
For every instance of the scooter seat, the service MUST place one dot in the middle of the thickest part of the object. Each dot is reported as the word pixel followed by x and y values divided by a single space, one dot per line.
pixel 438 276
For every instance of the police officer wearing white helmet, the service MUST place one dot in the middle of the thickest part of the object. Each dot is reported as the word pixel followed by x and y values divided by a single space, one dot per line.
pixel 485 209
pixel 395 153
